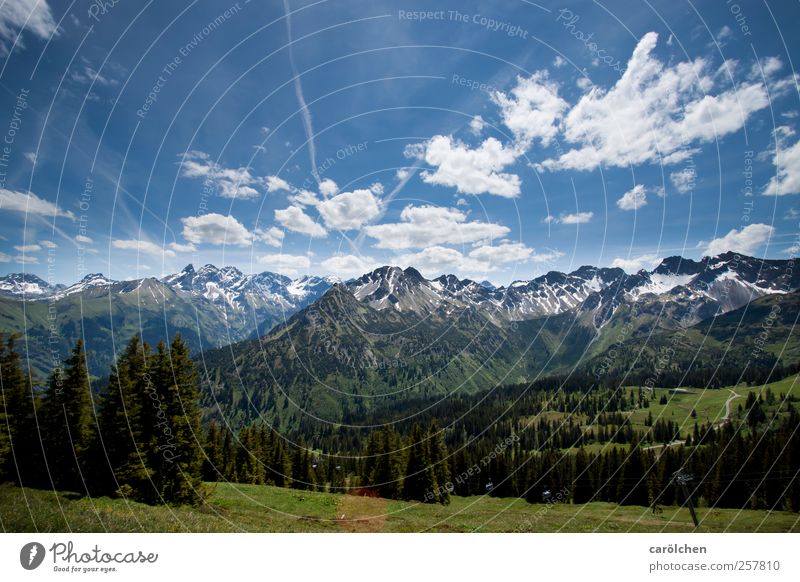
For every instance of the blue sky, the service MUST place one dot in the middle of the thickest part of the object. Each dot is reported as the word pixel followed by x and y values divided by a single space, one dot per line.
pixel 492 140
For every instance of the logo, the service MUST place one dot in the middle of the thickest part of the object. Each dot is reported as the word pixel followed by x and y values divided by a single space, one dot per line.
pixel 31 555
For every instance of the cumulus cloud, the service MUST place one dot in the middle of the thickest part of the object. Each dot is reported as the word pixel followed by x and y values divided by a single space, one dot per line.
pixel 347 266
pixel 142 246
pixel 424 226
pixel 577 218
pixel 294 219
pixel 532 110
pixel 328 187
pixel 476 125
pixel 349 210
pixel 684 180
pixel 470 171
pixel 746 241
pixel 635 264
pixel 652 113
pixel 787 165
pixel 32 15
pixel 436 260
pixel 285 264
pixel 271 236
pixel 228 182
pixel 216 229
pixel 30 203
pixel 633 199
pixel 276 184
pixel 83 239
pixel 48 244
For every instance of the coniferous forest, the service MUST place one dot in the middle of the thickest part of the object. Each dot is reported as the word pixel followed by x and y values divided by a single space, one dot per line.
pixel 140 437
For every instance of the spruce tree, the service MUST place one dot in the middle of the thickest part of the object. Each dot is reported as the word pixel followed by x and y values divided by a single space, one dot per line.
pixel 67 419
pixel 22 462
pixel 439 462
pixel 387 476
pixel 178 431
pixel 420 482
pixel 125 413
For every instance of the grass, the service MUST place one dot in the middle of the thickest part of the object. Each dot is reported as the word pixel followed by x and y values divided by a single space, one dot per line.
pixel 259 508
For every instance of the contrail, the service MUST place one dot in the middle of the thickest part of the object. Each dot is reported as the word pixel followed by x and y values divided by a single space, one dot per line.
pixel 298 90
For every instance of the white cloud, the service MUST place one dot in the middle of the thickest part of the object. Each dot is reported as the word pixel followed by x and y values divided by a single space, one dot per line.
pixel 653 113
pixel 328 187
pixel 89 76
pixel 294 219
pixel 32 15
pixel 793 250
pixel 577 218
pixel 684 180
pixel 476 125
pixel 470 171
pixel 532 110
pixel 83 239
pixel 271 236
pixel 142 246
pixel 787 166
pixel 48 244
pixel 285 264
pixel 349 210
pixel 559 61
pixel 746 241
pixel 26 260
pixel 182 248
pixel 30 203
pixel 215 229
pixel 28 248
pixel 376 188
pixel 633 199
pixel 402 174
pixel 276 184
pixel 635 264
pixel 4 258
pixel 346 266
pixel 549 219
pixel 424 226
pixel 304 198
pixel 435 260
pixel 229 182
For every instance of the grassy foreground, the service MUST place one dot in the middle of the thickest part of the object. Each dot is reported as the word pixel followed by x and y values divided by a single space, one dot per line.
pixel 258 508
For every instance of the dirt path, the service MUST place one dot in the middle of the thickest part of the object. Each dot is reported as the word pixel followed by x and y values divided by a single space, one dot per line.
pixel 733 397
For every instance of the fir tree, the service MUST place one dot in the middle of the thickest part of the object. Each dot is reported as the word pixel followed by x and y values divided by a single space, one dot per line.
pixel 439 462
pixel 420 482
pixel 67 418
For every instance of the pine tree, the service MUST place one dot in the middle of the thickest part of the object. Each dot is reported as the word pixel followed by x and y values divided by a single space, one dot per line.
pixel 126 412
pixel 67 419
pixel 387 476
pixel 302 476
pixel 419 483
pixel 178 431
pixel 440 462
pixel 633 484
pixel 22 462
pixel 213 463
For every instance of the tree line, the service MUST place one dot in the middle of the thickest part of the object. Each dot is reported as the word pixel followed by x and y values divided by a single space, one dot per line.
pixel 139 439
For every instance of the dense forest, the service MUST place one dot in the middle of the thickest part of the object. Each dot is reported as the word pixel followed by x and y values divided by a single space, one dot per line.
pixel 141 438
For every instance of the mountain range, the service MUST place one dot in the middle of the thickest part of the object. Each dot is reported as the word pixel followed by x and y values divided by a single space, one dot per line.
pixel 209 306
pixel 392 334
